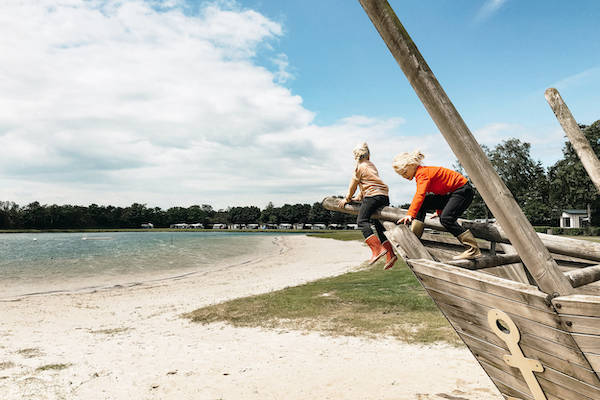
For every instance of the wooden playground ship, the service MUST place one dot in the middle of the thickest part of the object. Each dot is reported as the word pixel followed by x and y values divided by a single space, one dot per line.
pixel 529 308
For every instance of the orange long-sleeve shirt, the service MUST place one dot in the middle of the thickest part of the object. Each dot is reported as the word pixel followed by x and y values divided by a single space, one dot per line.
pixel 436 180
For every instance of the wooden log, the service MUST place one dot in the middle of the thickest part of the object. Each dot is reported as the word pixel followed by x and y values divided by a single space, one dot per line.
pixel 493 190
pixel 486 261
pixel 555 244
pixel 576 137
pixel 583 276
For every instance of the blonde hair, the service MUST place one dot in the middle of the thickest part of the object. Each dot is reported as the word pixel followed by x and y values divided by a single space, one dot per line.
pixel 361 151
pixel 404 160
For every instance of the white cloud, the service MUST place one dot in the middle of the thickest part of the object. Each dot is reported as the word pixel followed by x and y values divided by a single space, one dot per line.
pixel 587 77
pixel 115 102
pixel 546 141
pixel 488 9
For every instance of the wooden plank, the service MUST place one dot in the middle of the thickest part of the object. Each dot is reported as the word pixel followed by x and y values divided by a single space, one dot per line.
pixel 560 358
pixel 460 139
pixel 587 343
pixel 577 324
pixel 473 319
pixel 508 379
pixel 594 360
pixel 516 291
pixel 494 355
pixel 576 137
pixel 578 304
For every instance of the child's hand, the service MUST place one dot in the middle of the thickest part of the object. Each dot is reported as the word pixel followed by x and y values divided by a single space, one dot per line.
pixel 405 220
pixel 342 203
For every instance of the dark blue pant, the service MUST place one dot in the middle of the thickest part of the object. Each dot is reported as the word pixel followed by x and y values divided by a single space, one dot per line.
pixel 452 206
pixel 368 206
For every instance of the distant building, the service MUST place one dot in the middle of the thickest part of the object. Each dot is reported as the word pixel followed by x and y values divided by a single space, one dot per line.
pixel 196 226
pixel 148 225
pixel 318 226
pixel 219 226
pixel 180 226
pixel 252 226
pixel 351 226
pixel 574 219
pixel 285 226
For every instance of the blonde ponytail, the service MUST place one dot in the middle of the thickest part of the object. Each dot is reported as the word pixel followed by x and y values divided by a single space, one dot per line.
pixel 404 160
pixel 361 151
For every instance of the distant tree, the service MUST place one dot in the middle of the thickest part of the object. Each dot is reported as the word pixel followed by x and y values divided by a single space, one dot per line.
pixel 523 176
pixel 570 185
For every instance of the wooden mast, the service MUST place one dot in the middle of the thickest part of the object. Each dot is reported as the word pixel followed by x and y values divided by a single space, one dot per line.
pixel 535 256
pixel 576 137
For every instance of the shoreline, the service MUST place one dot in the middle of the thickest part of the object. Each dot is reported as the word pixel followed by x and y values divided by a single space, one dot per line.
pixel 132 343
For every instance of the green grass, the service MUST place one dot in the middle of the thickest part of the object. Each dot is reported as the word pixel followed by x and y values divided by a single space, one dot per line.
pixel 370 302
pixel 53 367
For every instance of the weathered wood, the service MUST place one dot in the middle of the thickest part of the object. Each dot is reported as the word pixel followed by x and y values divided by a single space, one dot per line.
pixel 486 261
pixel 583 276
pixel 579 324
pixel 490 284
pixel 410 244
pixel 578 305
pixel 493 190
pixel 587 343
pixel 576 137
pixel 544 339
pixel 494 354
pixel 582 249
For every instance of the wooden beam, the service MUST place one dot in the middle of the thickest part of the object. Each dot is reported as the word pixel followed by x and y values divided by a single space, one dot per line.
pixel 486 261
pixel 576 137
pixel 411 246
pixel 556 244
pixel 493 190
pixel 583 276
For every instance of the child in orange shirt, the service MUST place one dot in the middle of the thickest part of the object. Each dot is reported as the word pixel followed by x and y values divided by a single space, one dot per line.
pixel 374 195
pixel 438 188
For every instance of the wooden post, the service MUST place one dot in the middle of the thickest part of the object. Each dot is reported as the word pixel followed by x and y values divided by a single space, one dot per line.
pixel 576 137
pixel 494 192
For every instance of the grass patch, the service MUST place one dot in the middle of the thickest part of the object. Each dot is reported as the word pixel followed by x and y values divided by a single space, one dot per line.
pixel 30 352
pixel 6 365
pixel 53 367
pixel 370 302
pixel 111 331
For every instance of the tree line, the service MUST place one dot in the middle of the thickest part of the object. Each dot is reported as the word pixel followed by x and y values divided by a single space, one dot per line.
pixel 38 216
pixel 541 192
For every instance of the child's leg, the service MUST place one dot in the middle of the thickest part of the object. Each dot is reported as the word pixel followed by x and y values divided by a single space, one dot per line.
pixel 368 205
pixel 458 202
pixel 430 203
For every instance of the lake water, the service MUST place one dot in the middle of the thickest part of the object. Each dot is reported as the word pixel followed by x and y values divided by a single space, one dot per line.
pixel 32 263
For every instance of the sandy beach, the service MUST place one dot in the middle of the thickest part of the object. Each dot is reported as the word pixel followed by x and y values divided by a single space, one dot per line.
pixel 132 343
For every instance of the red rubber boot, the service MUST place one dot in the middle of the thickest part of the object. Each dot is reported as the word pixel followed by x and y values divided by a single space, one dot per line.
pixel 376 248
pixel 391 257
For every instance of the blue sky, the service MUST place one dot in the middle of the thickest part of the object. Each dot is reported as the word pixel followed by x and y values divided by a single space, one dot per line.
pixel 244 102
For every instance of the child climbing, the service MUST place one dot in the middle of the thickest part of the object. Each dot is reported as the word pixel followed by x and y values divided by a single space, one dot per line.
pixel 440 189
pixel 374 194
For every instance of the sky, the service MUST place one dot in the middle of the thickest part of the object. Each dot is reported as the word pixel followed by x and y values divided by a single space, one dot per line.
pixel 236 103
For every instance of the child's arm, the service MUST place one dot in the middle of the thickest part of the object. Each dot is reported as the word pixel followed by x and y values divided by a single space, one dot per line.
pixel 351 190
